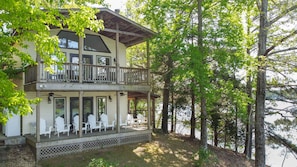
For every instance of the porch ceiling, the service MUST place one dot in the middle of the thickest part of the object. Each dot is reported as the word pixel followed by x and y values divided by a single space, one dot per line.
pixel 130 32
pixel 141 95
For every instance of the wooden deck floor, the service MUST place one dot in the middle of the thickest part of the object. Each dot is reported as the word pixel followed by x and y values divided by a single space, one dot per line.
pixel 55 146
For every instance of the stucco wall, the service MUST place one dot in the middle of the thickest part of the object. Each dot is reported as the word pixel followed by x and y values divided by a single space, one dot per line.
pixel 47 110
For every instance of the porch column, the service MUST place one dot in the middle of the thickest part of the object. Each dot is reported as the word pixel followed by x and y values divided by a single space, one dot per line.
pixel 118 112
pixel 149 110
pixel 117 54
pixel 37 124
pixel 80 49
pixel 148 81
pixel 80 112
pixel 38 118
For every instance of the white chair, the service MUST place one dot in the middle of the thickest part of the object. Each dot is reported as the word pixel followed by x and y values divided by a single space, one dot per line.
pixel 61 127
pixel 93 123
pixel 130 120
pixel 43 130
pixel 105 123
pixel 76 125
pixel 122 123
pixel 141 119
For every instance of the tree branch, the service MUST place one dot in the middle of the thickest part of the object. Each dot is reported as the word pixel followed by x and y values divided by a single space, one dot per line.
pixel 281 15
pixel 282 40
pixel 284 50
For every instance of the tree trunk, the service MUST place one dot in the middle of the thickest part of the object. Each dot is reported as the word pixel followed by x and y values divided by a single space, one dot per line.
pixel 216 136
pixel 165 107
pixel 202 89
pixel 193 119
pixel 172 113
pixel 261 87
pixel 203 123
pixel 166 94
pixel 248 134
pixel 236 126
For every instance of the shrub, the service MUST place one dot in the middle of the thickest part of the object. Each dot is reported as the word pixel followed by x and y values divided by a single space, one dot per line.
pixel 206 158
pixel 101 163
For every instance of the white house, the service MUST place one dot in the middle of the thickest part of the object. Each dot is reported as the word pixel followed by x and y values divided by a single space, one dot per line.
pixel 94 81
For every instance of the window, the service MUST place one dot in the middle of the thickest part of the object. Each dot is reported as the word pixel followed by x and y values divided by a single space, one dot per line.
pixel 60 108
pixel 101 106
pixel 95 43
pixel 68 40
pixel 103 60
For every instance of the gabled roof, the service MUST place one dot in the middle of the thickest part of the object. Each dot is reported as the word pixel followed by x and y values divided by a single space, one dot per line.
pixel 130 32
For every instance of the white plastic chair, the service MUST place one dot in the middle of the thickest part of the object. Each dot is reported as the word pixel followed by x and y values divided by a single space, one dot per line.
pixel 76 125
pixel 123 124
pixel 130 120
pixel 43 130
pixel 93 123
pixel 141 119
pixel 104 120
pixel 61 127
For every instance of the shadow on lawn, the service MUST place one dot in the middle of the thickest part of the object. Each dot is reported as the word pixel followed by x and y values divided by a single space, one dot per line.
pixel 164 150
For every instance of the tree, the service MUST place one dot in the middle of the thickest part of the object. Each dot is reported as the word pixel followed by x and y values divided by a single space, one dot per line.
pixel 30 21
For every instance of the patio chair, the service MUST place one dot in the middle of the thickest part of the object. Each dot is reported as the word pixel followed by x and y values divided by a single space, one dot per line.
pixel 43 130
pixel 76 125
pixel 104 120
pixel 61 127
pixel 124 123
pixel 93 123
pixel 141 119
pixel 130 120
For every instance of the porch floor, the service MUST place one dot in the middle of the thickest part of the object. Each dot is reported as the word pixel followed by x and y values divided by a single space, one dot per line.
pixel 56 146
pixel 64 136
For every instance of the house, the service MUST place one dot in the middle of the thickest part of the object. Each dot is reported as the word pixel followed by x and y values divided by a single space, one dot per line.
pixel 95 80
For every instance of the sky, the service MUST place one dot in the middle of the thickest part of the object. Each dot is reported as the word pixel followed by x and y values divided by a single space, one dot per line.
pixel 116 4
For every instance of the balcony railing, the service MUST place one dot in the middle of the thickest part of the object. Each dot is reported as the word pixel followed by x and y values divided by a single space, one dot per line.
pixel 69 72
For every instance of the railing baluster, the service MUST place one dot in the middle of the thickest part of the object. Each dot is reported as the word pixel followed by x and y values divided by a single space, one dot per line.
pixel 92 73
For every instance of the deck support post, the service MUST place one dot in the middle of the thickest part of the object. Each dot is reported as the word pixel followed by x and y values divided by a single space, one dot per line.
pixel 80 49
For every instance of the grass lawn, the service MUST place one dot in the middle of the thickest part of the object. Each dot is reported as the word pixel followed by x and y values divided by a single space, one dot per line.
pixel 164 150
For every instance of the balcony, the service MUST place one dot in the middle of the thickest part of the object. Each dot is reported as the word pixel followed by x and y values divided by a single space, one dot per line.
pixel 91 74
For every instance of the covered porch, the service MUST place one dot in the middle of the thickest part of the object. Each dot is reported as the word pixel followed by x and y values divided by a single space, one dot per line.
pixel 56 146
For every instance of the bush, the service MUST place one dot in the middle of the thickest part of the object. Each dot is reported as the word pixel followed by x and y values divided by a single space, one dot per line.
pixel 206 158
pixel 101 163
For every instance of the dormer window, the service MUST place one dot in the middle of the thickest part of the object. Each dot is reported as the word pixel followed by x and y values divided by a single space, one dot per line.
pixel 69 40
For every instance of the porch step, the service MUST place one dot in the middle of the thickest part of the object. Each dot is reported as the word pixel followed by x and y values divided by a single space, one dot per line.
pixel 2 142
pixel 18 140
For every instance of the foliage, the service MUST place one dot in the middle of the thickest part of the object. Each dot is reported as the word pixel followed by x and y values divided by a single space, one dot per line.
pixel 100 162
pixel 25 22
pixel 206 158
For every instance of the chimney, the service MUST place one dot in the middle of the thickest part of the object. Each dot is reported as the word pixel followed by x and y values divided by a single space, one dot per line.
pixel 117 11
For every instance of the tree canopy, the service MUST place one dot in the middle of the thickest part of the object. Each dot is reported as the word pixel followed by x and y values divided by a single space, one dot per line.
pixel 24 21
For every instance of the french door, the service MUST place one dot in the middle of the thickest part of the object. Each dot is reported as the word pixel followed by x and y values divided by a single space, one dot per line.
pixel 87 66
pixel 87 107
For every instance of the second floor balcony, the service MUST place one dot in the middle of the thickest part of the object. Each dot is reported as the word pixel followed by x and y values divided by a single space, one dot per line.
pixel 70 72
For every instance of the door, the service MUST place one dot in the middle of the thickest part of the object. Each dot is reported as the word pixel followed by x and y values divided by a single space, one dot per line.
pixel 87 107
pixel 87 66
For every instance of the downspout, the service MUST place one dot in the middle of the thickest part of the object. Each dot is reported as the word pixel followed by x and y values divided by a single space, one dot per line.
pixel 80 48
